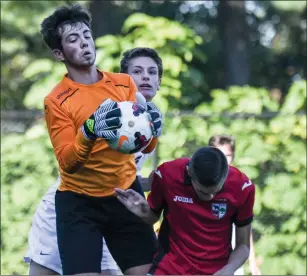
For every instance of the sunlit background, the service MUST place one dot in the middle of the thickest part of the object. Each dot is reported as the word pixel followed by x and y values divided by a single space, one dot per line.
pixel 234 67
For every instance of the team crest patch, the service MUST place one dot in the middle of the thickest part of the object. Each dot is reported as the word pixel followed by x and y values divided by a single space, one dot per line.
pixel 219 209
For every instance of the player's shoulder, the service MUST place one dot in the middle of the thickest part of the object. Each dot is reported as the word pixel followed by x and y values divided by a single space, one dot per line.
pixel 118 79
pixel 238 180
pixel 60 92
pixel 173 167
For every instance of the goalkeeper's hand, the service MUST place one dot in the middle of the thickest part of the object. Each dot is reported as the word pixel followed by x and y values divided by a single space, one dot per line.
pixel 156 118
pixel 104 122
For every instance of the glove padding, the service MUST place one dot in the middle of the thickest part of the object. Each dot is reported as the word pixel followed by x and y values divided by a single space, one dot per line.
pixel 104 122
pixel 156 118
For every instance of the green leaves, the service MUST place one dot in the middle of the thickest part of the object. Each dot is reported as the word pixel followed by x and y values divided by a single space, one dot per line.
pixel 296 98
pixel 168 30
pixel 290 5
pixel 243 99
pixel 275 197
pixel 38 67
pixel 28 168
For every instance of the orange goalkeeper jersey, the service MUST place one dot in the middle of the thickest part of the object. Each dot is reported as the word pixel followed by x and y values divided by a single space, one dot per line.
pixel 88 167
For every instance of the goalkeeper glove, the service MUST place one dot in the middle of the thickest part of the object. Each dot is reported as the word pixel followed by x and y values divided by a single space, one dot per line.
pixel 104 122
pixel 156 118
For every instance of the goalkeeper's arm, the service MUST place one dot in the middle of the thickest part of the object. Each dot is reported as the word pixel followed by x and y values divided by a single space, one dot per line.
pixel 72 148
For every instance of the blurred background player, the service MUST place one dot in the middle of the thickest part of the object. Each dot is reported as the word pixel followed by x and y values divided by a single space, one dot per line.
pixel 227 145
pixel 145 67
pixel 200 198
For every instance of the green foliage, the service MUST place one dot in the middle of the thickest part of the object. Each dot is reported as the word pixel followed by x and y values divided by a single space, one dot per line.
pixel 21 43
pixel 293 101
pixel 28 168
pixel 290 5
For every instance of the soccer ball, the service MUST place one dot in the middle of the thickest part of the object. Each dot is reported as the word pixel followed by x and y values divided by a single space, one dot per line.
pixel 135 134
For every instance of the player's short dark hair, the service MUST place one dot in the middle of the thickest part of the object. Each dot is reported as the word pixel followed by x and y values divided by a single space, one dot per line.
pixel 141 52
pixel 208 166
pixel 63 15
pixel 223 139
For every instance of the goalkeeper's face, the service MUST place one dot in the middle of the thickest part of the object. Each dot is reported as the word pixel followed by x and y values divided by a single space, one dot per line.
pixel 145 73
pixel 78 47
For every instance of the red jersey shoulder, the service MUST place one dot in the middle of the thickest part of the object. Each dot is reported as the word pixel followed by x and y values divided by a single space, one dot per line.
pixel 119 79
pixel 238 180
pixel 172 168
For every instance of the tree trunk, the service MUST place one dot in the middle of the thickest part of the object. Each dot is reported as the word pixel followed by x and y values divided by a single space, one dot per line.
pixel 233 32
pixel 107 18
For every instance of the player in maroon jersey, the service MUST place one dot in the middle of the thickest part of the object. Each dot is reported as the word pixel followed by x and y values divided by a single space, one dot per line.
pixel 201 197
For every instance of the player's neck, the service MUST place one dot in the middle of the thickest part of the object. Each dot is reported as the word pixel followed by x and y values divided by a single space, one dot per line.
pixel 87 76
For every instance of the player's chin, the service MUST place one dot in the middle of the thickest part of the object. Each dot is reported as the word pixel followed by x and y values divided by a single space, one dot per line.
pixel 85 65
pixel 148 94
pixel 89 62
pixel 204 198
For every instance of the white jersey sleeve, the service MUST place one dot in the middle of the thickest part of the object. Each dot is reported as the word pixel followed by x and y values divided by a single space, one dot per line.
pixel 140 159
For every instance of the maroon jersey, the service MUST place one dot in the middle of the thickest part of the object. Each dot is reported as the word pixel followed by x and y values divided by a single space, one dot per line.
pixel 195 235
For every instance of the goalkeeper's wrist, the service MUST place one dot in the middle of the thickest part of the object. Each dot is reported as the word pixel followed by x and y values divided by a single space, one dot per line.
pixel 87 133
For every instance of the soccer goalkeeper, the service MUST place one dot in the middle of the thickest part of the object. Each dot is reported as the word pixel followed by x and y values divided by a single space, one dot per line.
pixel 86 208
pixel 145 67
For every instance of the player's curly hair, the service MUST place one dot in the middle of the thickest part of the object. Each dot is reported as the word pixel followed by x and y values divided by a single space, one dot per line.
pixel 141 52
pixel 208 166
pixel 51 25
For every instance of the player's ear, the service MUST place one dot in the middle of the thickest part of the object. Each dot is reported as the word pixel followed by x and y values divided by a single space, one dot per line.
pixel 58 54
